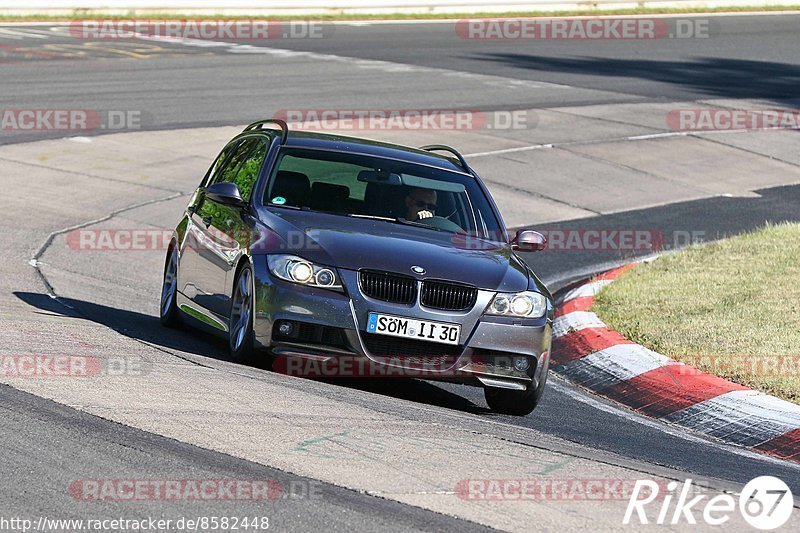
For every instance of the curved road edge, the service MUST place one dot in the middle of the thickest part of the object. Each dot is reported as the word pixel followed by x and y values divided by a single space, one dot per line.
pixel 316 429
pixel 591 355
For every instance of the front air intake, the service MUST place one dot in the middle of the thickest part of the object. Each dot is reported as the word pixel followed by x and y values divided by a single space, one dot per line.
pixel 388 287
pixel 448 296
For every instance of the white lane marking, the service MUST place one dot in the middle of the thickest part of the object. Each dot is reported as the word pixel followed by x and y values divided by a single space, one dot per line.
pixel 576 320
pixel 415 21
pixel 46 33
pixel 586 397
pixel 59 28
pixel 553 16
pixel 666 134
pixel 18 34
pixel 5 35
pixel 587 289
pixel 510 150
pixel 632 138
pixel 697 133
pixel 746 417
pixel 384 66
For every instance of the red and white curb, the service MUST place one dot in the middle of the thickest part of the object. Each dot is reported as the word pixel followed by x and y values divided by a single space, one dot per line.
pixel 591 355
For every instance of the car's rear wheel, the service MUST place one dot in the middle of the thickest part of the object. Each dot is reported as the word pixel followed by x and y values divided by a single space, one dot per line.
pixel 511 402
pixel 170 316
pixel 241 321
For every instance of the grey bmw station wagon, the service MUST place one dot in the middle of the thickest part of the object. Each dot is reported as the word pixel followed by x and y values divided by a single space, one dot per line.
pixel 360 258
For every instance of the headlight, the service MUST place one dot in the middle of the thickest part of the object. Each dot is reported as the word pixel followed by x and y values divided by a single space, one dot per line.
pixel 298 270
pixel 523 305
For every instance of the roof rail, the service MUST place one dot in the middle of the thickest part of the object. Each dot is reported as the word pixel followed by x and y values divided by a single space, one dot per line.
pixel 445 148
pixel 277 122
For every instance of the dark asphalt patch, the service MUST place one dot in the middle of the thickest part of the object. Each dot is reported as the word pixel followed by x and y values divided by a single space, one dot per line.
pixel 49 448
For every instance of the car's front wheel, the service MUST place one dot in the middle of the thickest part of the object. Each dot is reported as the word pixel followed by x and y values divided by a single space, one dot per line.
pixel 241 322
pixel 511 402
pixel 169 289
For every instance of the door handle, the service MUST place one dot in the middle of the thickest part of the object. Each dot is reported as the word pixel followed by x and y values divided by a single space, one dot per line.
pixel 207 221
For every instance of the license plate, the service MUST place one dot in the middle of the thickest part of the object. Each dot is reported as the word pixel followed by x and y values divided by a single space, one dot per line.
pixel 411 328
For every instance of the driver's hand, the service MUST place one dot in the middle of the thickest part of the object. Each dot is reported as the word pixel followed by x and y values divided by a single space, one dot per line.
pixel 424 214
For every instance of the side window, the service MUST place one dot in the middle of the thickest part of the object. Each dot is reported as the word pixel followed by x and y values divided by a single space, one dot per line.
pixel 229 172
pixel 219 165
pixel 244 165
pixel 247 174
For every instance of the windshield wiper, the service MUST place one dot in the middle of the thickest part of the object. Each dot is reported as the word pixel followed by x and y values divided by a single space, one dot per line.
pixel 294 207
pixel 406 222
pixel 396 220
pixel 371 217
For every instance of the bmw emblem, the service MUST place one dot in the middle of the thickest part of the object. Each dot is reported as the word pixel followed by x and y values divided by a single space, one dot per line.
pixel 418 270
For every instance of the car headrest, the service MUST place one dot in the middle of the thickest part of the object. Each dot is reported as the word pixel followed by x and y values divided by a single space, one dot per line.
pixel 294 186
pixel 382 199
pixel 330 190
pixel 379 191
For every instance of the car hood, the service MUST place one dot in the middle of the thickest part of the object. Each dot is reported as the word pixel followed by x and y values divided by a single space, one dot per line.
pixel 358 243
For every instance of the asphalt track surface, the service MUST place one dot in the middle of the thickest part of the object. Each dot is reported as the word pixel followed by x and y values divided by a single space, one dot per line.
pixel 65 441
pixel 177 87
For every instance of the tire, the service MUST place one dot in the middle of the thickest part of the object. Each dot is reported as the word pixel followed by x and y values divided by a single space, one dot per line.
pixel 170 316
pixel 511 402
pixel 240 327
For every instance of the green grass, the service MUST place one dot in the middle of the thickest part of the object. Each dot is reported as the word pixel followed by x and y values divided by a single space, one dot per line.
pixel 83 14
pixel 730 308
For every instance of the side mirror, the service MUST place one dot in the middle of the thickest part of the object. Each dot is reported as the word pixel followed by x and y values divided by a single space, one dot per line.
pixel 529 241
pixel 225 193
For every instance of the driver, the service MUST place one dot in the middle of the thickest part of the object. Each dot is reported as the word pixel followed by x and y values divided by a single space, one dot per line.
pixel 421 204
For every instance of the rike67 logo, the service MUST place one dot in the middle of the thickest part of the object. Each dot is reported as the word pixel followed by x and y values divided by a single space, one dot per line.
pixel 765 503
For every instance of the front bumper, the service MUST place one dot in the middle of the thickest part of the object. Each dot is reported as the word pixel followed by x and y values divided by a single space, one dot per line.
pixel 484 355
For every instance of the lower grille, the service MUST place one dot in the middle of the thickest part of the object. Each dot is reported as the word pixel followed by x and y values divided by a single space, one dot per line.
pixel 307 333
pixel 448 296
pixel 388 287
pixel 441 362
pixel 406 349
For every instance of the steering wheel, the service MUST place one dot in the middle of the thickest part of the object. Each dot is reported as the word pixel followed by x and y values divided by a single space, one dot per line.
pixel 440 223
pixel 454 213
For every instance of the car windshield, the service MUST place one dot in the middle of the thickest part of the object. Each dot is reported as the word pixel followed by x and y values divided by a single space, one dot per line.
pixel 368 186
